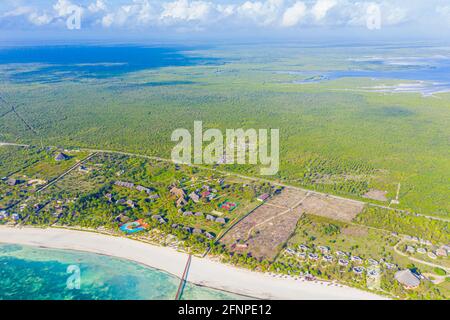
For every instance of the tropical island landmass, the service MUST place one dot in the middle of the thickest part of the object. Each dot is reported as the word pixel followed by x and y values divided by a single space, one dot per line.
pixel 361 197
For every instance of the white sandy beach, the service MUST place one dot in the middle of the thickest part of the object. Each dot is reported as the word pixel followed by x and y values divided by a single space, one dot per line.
pixel 202 271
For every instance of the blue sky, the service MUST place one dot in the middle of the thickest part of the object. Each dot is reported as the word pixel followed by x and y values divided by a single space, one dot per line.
pixel 240 19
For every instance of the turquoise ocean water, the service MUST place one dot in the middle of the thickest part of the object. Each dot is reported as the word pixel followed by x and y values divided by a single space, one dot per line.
pixel 39 274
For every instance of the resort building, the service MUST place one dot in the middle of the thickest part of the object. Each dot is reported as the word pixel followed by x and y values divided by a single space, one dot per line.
pixel 343 262
pixel 432 255
pixel 441 252
pixel 61 157
pixel 179 193
pixel 303 247
pixel 373 262
pixel 358 270
pixel 12 182
pixel 313 256
pixel 263 197
pixel 408 279
pixel 221 220
pixel 324 249
pixel 124 184
pixel 422 250
pixel 194 197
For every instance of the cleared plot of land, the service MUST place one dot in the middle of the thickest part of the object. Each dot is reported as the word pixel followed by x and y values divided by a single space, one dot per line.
pixel 267 239
pixel 264 231
pixel 288 198
pixel 331 207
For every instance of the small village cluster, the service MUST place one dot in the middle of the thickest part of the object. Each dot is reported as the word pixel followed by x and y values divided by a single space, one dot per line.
pixel 344 259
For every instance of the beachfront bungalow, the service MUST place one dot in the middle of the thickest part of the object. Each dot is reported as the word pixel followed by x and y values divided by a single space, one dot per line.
pixel 410 249
pixel 205 194
pixel 303 247
pixel 174 226
pixel 301 255
pixel 61 157
pixel 421 250
pixel 441 252
pixel 121 201
pixel 198 214
pixel 408 279
pixel 327 258
pixel 187 229
pixel 358 270
pixel 153 196
pixel 324 249
pixel 263 197
pixel 313 256
pixel 341 254
pixel 373 273
pixel 156 217
pixel 143 189
pixel 432 255
pixel 197 231
pixel 390 266
pixel 210 217
pixel 15 216
pixel 124 184
pixel 188 214
pixel 343 262
pixel 179 193
pixel 121 218
pixel 221 220
pixel 356 259
pixel 446 248
pixel 210 236
pixel 131 203
pixel 290 251
pixel 181 202
pixel 12 182
pixel 194 197
pixel 3 215
pixel 373 262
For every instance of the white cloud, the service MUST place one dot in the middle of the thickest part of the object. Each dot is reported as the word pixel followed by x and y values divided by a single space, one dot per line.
pixel 294 14
pixel 65 7
pixel 33 15
pixel 19 11
pixel 262 13
pixel 97 6
pixel 226 10
pixel 322 7
pixel 185 10
pixel 40 19
pixel 138 13
pixel 222 14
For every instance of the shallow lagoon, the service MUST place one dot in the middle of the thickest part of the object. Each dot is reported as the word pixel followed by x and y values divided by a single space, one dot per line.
pixel 31 273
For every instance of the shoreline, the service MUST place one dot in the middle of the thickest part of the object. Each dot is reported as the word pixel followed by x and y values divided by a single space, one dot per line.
pixel 203 271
